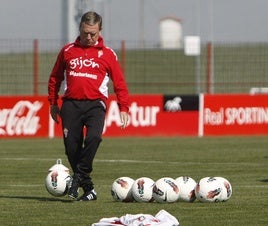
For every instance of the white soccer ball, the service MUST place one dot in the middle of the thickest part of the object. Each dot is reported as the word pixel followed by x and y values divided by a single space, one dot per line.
pixel 226 189
pixel 57 182
pixel 142 189
pixel 165 190
pixel 121 189
pixel 186 187
pixel 208 189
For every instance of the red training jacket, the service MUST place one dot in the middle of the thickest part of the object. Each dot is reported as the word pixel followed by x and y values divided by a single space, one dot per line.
pixel 88 71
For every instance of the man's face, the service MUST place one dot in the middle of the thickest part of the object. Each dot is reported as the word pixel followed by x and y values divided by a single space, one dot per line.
pixel 89 34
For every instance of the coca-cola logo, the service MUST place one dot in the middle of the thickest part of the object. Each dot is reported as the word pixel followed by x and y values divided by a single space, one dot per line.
pixel 22 119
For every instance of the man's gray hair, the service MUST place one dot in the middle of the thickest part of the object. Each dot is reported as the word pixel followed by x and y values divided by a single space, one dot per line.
pixel 91 18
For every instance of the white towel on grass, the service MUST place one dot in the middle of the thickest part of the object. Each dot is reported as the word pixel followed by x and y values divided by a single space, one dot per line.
pixel 162 218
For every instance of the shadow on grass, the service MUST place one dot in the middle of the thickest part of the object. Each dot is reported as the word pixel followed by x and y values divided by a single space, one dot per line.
pixel 264 180
pixel 43 199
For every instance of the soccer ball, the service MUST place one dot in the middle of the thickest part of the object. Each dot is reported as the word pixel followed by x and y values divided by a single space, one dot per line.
pixel 209 189
pixel 186 187
pixel 142 189
pixel 121 189
pixel 57 182
pixel 165 190
pixel 226 189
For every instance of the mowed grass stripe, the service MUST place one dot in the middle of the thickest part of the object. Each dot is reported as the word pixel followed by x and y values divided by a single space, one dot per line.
pixel 137 161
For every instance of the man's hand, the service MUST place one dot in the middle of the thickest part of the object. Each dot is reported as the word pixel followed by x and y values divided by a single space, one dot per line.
pixel 55 112
pixel 124 119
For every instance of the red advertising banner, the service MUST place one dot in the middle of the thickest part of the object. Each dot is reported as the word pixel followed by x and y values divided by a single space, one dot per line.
pixel 148 118
pixel 150 115
pixel 28 116
pixel 235 115
pixel 24 116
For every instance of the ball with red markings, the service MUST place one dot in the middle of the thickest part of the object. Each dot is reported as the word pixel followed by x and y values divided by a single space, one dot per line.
pixel 226 189
pixel 121 189
pixel 57 182
pixel 208 189
pixel 186 187
pixel 166 190
pixel 142 189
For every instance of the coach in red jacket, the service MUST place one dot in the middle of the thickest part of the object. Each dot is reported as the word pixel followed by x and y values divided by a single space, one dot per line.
pixel 87 65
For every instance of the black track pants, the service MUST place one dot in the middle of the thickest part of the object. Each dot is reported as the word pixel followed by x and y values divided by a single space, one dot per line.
pixel 82 124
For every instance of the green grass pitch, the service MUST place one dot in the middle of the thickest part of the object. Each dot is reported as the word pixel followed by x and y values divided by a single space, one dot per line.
pixel 242 160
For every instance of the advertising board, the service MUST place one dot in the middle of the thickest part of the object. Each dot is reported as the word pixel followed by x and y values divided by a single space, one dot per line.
pixel 239 114
pixel 150 115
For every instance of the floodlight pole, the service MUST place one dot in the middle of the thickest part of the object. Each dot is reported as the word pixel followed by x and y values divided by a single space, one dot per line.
pixel 142 23
pixel 35 67
pixel 211 89
pixel 197 58
pixel 69 27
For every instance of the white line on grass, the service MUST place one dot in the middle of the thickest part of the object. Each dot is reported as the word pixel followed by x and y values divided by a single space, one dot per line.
pixel 175 163
pixel 138 161
pixel 27 159
pixel 25 185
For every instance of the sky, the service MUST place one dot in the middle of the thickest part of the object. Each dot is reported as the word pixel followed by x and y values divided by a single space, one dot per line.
pixel 134 20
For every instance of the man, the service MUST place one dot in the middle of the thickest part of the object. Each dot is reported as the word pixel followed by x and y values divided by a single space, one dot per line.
pixel 86 65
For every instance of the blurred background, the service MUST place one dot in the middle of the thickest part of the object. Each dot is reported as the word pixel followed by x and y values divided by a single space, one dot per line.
pixel 164 46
